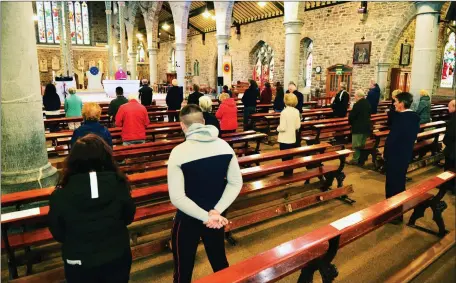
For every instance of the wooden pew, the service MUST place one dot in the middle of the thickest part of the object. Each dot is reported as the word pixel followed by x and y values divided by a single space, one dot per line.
pixel 426 141
pixel 317 249
pixel 42 235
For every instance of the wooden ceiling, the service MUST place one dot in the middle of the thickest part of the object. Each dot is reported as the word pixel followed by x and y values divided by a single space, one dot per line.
pixel 244 12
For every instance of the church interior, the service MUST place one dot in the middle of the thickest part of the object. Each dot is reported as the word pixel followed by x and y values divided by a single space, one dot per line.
pixel 329 220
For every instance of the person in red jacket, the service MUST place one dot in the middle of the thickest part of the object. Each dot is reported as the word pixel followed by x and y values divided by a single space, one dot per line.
pixel 227 114
pixel 266 94
pixel 133 119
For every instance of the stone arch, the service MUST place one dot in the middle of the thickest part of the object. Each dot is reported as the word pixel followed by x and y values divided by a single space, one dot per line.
pixel 304 51
pixel 396 31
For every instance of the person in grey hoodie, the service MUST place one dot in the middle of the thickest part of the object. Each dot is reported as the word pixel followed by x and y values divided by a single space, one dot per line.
pixel 203 181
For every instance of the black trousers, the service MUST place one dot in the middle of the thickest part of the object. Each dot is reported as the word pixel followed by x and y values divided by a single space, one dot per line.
pixel 173 117
pixel 117 271
pixel 395 179
pixel 186 234
pixel 284 146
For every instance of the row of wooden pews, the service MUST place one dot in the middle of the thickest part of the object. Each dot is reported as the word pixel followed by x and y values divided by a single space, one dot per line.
pixel 259 200
pixel 316 250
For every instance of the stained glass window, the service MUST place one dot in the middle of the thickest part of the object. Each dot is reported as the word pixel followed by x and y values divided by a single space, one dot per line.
pixel 141 53
pixel 448 64
pixel 85 23
pixel 309 65
pixel 48 22
pixel 41 27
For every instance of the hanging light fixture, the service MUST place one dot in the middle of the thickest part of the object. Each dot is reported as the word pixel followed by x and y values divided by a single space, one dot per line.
pixel 165 26
pixel 261 4
pixel 206 13
pixel 84 4
pixel 139 35
pixel 214 17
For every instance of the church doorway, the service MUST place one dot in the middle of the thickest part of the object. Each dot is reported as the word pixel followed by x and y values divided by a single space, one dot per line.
pixel 335 75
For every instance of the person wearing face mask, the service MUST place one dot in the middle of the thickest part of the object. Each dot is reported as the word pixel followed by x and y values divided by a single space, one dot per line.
pixel 399 145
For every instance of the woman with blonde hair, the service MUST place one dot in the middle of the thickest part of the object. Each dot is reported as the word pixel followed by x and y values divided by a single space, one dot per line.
pixel 91 113
pixel 290 123
pixel 424 107
pixel 73 108
pixel 205 103
pixel 227 114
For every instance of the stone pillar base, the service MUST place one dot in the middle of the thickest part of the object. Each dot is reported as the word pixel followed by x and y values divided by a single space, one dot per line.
pixel 47 176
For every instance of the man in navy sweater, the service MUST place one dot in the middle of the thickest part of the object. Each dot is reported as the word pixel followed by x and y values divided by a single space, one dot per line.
pixel 203 180
pixel 373 96
pixel 399 145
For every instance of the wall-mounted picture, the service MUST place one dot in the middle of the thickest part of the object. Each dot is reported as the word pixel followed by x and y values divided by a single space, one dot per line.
pixel 406 50
pixel 362 52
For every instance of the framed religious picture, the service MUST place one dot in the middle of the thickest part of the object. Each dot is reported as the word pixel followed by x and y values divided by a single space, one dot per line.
pixel 406 50
pixel 362 52
pixel 55 63
pixel 43 65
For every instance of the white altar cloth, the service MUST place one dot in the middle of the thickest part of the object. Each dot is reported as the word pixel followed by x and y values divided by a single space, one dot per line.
pixel 129 86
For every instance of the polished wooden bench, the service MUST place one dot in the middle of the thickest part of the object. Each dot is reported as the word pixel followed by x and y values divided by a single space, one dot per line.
pixel 317 249
pixel 42 235
pixel 426 141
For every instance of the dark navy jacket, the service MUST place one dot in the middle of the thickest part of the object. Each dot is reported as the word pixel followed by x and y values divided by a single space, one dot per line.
pixel 93 127
pixel 373 96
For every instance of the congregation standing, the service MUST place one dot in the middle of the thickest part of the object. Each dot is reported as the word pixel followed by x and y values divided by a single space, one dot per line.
pixel 204 177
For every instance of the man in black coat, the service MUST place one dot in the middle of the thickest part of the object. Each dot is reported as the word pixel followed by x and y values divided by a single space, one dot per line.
pixel 194 97
pixel 341 101
pixel 373 96
pixel 145 93
pixel 174 99
pixel 399 145
pixel 450 144
pixel 360 122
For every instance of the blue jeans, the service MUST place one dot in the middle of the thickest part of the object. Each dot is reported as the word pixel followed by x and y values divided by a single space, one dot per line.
pixel 133 142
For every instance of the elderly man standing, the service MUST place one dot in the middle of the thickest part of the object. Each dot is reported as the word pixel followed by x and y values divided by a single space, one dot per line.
pixel 373 96
pixel 133 119
pixel 340 103
pixel 360 122
pixel 203 181
pixel 145 93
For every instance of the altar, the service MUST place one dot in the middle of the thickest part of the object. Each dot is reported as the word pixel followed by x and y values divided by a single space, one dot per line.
pixel 129 86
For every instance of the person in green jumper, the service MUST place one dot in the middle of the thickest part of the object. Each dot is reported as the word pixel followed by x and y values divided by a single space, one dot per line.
pixel 73 108
pixel 359 119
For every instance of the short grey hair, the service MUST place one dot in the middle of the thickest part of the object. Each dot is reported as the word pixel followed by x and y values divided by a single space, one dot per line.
pixel 205 103
pixel 191 114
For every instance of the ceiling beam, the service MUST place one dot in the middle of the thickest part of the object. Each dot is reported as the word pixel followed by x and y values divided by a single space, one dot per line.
pixel 195 28
pixel 277 5
pixel 200 10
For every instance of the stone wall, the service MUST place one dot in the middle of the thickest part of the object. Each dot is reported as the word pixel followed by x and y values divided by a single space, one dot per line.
pixel 98 28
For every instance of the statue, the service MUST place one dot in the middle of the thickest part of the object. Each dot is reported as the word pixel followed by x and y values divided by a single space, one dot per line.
pixel 120 74
pixel 196 69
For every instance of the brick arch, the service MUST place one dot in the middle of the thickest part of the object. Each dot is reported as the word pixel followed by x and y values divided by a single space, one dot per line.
pixel 396 32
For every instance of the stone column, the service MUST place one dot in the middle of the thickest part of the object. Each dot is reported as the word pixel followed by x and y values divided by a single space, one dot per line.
pixel 153 52
pixel 132 52
pixel 180 63
pixel 123 43
pixel 68 49
pixel 24 158
pixel 222 41
pixel 292 39
pixel 382 78
pixel 110 44
pixel 425 48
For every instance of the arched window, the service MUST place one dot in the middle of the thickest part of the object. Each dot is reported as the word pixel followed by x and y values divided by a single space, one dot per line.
pixel 308 73
pixel 141 57
pixel 448 63
pixel 264 63
pixel 48 22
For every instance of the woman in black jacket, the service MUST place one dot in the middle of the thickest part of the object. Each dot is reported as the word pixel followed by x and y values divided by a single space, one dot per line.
pixel 361 127
pixel 89 213
pixel 278 101
pixel 51 103
pixel 249 99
